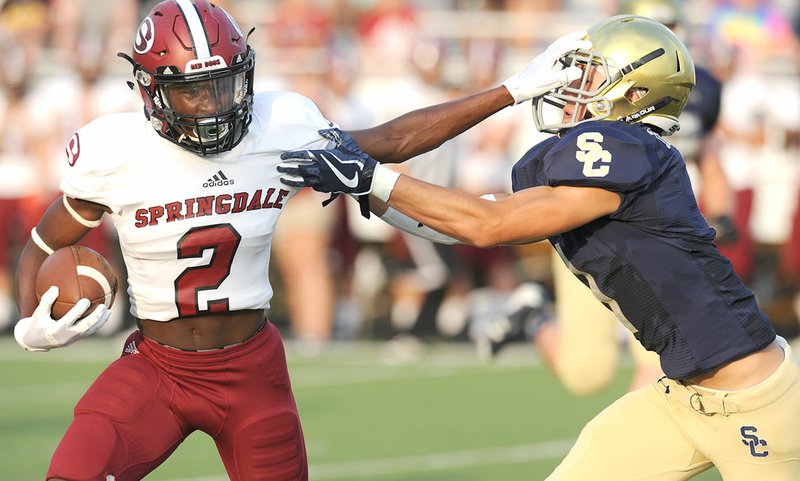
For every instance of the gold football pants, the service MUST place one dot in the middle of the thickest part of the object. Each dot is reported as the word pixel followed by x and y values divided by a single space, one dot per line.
pixel 668 431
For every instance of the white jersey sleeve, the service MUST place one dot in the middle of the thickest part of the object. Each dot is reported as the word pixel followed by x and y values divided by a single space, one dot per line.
pixel 288 119
pixel 96 160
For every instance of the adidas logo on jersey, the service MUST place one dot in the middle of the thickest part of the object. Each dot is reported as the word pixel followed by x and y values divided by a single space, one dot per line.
pixel 131 348
pixel 217 180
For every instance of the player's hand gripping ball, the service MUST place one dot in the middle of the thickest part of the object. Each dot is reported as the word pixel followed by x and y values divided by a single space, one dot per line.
pixel 78 272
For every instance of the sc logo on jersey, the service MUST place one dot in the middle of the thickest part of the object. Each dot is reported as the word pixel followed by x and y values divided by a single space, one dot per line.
pixel 591 152
pixel 752 441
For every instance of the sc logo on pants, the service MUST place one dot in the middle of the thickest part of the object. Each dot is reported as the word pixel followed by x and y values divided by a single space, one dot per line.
pixel 753 442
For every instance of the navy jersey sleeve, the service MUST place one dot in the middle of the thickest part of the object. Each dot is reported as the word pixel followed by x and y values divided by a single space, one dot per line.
pixel 600 154
pixel 527 171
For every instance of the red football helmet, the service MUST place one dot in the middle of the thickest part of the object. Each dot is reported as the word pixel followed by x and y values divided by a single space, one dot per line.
pixel 194 69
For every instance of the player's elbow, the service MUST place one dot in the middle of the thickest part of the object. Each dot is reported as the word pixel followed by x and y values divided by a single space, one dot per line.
pixel 485 243
pixel 487 234
pixel 498 231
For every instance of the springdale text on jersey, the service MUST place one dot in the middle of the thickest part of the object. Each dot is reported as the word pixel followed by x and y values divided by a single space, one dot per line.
pixel 272 198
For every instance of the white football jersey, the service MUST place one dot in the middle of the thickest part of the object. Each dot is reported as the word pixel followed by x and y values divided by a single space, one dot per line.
pixel 195 232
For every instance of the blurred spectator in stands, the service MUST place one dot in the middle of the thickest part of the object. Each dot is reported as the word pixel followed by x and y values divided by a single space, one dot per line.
pixel 299 32
pixel 75 23
pixel 756 48
pixel 338 101
pixel 525 14
pixel 484 163
pixel 387 33
pixel 300 35
pixel 23 30
pixel 90 81
pixel 19 199
pixel 745 33
pixel 302 251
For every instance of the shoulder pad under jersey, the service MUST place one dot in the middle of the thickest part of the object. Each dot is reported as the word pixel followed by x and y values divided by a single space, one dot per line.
pixel 98 150
pixel 288 121
pixel 610 155
pixel 525 172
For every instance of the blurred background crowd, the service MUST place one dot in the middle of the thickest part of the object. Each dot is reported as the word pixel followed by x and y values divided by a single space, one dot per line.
pixel 338 275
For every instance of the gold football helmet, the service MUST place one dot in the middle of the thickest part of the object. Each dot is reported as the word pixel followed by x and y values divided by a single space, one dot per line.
pixel 636 71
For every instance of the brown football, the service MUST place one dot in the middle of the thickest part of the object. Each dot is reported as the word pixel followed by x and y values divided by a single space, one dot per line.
pixel 78 272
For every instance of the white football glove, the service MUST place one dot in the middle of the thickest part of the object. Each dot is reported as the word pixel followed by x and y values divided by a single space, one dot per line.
pixel 40 332
pixel 540 76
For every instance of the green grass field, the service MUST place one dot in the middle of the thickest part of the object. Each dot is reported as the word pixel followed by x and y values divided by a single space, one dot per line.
pixel 367 416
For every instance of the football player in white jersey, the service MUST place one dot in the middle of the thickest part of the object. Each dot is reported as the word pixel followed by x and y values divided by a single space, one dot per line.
pixel 193 190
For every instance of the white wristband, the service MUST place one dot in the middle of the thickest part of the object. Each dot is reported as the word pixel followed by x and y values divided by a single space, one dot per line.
pixel 512 84
pixel 41 244
pixel 383 181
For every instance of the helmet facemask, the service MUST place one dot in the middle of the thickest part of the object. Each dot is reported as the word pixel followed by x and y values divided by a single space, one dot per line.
pixel 574 99
pixel 206 112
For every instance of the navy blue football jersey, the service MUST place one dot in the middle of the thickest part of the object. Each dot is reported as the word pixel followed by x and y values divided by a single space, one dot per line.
pixel 652 261
pixel 699 116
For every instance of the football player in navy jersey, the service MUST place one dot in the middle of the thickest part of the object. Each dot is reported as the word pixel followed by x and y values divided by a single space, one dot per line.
pixel 614 199
pixel 580 342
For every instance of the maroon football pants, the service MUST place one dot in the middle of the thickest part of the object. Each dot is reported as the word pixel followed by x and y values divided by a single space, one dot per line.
pixel 149 400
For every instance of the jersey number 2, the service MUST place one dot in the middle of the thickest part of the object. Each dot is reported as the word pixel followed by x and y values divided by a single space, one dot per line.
pixel 223 240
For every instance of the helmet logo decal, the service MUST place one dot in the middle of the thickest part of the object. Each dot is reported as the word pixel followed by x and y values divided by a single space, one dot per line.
pixel 73 149
pixel 635 116
pixel 638 115
pixel 144 37
pixel 211 63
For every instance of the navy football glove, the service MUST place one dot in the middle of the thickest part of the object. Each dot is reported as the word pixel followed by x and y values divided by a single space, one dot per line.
pixel 342 169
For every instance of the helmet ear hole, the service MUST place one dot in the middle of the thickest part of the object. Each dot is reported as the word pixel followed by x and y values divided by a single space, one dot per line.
pixel 635 93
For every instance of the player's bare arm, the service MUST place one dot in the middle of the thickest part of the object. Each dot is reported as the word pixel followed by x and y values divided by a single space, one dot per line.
pixel 527 216
pixel 425 129
pixel 57 228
